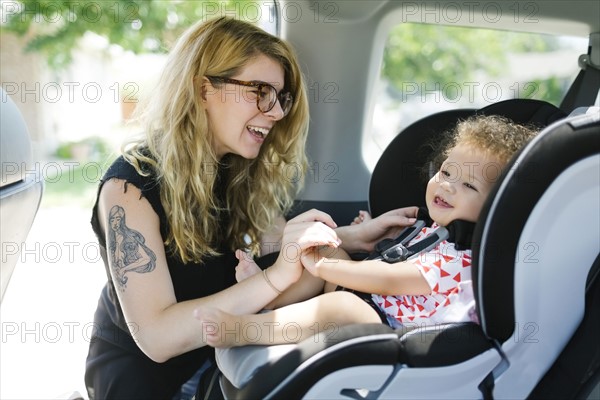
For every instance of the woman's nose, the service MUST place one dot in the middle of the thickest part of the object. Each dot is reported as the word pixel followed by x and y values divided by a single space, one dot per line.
pixel 275 113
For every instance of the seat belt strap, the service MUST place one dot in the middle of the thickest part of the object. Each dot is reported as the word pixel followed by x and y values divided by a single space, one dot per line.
pixel 395 250
pixel 403 238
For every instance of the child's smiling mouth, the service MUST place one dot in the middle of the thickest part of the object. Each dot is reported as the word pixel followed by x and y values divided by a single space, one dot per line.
pixel 438 201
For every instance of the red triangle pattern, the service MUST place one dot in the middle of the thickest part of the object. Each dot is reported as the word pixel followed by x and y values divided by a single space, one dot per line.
pixel 444 267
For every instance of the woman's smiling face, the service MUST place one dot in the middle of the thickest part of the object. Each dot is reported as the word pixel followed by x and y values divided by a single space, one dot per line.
pixel 462 185
pixel 236 124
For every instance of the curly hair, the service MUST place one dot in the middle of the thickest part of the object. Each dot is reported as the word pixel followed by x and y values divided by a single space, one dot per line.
pixel 177 142
pixel 493 134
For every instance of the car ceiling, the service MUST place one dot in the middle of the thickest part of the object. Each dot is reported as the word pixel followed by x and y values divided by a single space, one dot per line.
pixel 578 18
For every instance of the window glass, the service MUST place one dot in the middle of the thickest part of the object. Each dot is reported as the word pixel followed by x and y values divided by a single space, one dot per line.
pixel 431 68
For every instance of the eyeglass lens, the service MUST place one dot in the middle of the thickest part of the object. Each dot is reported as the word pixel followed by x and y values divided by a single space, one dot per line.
pixel 268 98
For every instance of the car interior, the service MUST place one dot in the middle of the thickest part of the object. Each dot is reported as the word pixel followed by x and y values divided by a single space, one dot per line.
pixel 528 344
pixel 536 247
pixel 531 210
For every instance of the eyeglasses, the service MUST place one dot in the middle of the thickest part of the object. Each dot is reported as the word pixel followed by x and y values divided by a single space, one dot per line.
pixel 266 94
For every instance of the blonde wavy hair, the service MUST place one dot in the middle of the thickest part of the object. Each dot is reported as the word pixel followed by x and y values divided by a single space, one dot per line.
pixel 177 143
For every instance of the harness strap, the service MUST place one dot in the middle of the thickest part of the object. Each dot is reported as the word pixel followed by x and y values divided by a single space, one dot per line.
pixel 403 238
pixel 395 250
pixel 461 234
pixel 399 252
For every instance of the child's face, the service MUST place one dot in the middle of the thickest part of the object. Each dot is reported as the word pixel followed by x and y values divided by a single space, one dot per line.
pixel 462 184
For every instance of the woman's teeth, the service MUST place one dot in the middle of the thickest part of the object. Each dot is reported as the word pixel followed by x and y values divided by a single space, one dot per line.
pixel 257 131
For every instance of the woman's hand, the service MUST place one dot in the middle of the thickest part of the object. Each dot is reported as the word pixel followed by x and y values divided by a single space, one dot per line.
pixel 364 236
pixel 309 229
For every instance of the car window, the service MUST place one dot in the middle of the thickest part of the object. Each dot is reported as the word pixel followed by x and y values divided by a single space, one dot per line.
pixel 430 68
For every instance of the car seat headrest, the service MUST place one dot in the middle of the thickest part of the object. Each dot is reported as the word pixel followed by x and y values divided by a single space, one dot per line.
pixel 526 111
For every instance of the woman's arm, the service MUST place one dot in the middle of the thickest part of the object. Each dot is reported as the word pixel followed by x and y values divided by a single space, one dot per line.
pixel 364 236
pixel 162 327
pixel 271 240
pixel 306 287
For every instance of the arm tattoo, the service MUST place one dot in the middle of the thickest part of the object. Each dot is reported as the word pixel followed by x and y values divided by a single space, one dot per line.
pixel 127 248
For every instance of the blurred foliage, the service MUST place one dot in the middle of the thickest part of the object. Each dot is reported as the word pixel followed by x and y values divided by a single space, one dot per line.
pixel 92 148
pixel 54 27
pixel 435 53
pixel 75 186
pixel 75 173
pixel 550 90
pixel 414 52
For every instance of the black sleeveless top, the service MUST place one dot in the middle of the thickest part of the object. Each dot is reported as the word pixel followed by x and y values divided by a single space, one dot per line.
pixel 190 281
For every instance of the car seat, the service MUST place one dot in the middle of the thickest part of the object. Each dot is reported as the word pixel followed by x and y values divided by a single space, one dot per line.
pixel 535 275
pixel 20 188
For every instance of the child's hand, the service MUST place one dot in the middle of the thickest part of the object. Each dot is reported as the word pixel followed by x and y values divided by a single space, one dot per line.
pixel 246 267
pixel 314 257
pixel 310 259
pixel 303 232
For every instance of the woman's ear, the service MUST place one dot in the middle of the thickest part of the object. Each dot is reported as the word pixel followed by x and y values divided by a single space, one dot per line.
pixel 204 86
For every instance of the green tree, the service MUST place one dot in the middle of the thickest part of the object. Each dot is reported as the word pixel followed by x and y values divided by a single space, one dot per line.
pixel 414 52
pixel 436 53
pixel 54 27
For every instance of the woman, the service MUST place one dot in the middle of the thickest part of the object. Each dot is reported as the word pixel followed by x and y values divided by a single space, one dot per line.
pixel 228 117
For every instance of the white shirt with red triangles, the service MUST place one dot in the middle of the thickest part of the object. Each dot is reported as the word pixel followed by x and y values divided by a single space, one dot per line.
pixel 448 272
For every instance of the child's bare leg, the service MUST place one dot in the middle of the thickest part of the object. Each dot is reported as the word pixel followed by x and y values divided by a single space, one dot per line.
pixel 290 324
pixel 362 217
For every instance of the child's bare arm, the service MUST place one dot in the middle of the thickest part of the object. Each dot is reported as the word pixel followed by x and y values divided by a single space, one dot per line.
pixel 372 276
